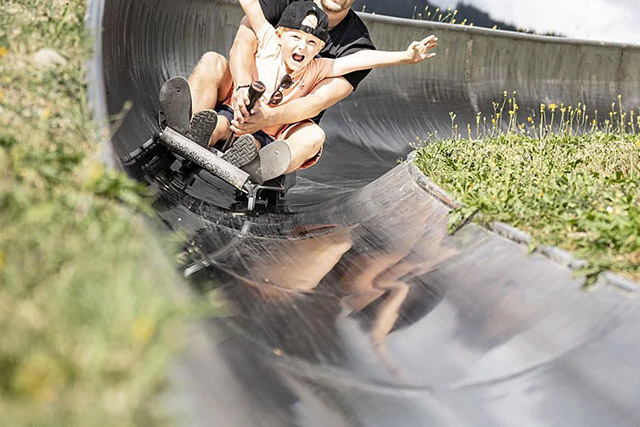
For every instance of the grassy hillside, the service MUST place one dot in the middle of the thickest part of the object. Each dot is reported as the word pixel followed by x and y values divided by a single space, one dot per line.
pixel 579 191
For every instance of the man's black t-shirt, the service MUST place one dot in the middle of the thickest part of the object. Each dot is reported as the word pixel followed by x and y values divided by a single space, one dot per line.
pixel 349 36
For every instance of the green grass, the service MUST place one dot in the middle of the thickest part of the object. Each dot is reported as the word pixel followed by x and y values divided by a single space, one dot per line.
pixel 578 192
pixel 88 317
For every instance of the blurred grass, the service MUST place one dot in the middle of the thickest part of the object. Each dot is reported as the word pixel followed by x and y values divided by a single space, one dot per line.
pixel 88 318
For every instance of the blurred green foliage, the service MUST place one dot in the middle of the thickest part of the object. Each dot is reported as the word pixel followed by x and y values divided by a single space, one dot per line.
pixel 88 314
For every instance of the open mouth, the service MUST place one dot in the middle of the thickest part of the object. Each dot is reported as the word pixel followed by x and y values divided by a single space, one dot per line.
pixel 297 57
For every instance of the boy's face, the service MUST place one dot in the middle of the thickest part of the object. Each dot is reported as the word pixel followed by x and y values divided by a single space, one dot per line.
pixel 298 48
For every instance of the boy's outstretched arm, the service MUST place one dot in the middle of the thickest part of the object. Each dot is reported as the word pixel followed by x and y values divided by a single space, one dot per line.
pixel 254 13
pixel 417 51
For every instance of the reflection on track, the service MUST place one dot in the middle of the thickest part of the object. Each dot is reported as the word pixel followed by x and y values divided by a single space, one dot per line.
pixel 352 305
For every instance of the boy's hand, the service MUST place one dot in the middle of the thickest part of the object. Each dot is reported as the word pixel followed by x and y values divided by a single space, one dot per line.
pixel 239 103
pixel 419 51
pixel 258 119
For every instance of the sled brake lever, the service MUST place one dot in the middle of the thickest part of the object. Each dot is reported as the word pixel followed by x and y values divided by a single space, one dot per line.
pixel 256 90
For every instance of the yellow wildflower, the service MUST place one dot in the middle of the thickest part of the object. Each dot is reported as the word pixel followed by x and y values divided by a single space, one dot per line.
pixel 142 330
pixel 3 51
pixel 553 106
pixel 95 171
pixel 40 378
pixel 530 119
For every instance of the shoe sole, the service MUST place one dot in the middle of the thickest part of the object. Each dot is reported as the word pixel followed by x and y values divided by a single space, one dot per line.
pixel 272 161
pixel 175 101
pixel 202 125
pixel 242 152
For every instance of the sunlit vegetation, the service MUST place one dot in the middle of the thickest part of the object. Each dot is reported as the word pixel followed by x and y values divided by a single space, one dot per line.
pixel 567 177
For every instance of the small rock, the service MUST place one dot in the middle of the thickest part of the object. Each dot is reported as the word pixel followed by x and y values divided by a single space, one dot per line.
pixel 46 58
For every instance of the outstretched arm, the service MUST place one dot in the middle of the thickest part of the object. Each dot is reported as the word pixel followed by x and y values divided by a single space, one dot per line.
pixel 254 13
pixel 417 51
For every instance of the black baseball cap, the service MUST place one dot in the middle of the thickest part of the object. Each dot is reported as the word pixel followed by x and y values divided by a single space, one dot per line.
pixel 297 11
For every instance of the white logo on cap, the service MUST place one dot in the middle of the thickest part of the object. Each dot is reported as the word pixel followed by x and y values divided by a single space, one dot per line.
pixel 310 21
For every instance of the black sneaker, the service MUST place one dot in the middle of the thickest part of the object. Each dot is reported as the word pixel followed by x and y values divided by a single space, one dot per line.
pixel 202 125
pixel 242 152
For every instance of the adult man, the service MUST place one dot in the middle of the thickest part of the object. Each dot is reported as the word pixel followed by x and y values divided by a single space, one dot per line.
pixel 214 78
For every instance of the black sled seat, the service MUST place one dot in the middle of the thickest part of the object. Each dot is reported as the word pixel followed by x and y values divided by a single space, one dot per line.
pixel 157 155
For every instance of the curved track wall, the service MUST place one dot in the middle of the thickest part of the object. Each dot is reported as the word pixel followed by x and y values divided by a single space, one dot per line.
pixel 150 40
pixel 361 310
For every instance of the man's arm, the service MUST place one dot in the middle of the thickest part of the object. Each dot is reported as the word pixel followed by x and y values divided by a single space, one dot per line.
pixel 242 62
pixel 326 94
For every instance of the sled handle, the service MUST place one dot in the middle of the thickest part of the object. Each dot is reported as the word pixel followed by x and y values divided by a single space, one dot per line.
pixel 256 90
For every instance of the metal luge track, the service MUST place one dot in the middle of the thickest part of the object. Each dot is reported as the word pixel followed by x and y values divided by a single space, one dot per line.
pixel 354 307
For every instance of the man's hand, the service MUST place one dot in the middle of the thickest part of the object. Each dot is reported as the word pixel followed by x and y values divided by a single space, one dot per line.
pixel 258 119
pixel 418 51
pixel 239 103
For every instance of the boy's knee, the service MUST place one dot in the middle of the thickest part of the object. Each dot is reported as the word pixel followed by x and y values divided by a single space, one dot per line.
pixel 316 135
pixel 214 62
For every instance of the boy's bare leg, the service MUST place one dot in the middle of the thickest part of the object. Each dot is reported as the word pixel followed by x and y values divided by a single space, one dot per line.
pixel 222 130
pixel 305 141
pixel 210 81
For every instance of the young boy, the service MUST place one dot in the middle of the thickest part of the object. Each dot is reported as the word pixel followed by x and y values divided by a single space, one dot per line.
pixel 286 63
